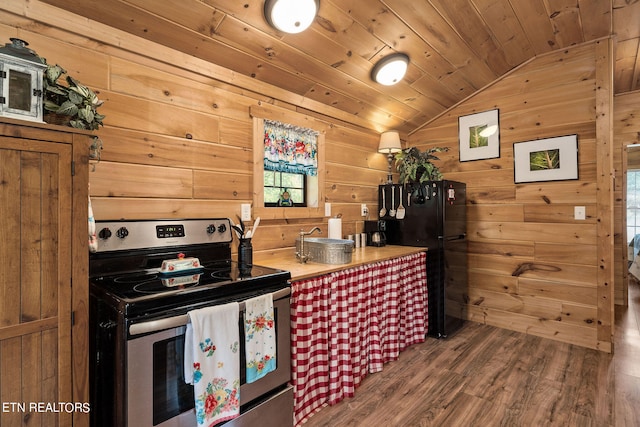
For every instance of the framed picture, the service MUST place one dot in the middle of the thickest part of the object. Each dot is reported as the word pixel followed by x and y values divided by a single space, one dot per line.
pixel 551 159
pixel 479 136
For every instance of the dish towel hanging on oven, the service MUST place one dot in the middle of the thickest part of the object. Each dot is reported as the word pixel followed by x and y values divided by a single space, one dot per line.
pixel 260 337
pixel 212 362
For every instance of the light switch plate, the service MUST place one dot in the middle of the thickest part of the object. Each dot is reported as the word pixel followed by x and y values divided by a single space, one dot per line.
pixel 327 209
pixel 579 212
pixel 363 209
pixel 245 211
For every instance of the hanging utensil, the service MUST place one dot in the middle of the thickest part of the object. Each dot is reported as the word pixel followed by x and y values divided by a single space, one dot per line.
pixel 383 211
pixel 409 198
pixel 419 197
pixel 400 213
pixel 392 211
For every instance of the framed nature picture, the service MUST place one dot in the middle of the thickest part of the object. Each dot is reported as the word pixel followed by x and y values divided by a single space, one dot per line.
pixel 551 159
pixel 479 136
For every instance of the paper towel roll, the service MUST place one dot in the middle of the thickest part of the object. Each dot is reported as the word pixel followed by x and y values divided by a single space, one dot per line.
pixel 335 228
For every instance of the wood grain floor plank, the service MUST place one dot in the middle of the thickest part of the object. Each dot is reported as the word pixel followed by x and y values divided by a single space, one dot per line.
pixel 487 376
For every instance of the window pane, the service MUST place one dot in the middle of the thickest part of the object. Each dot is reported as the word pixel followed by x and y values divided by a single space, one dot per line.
pixel 269 178
pixel 296 195
pixel 293 183
pixel 271 194
pixel 291 180
pixel 633 186
pixel 19 90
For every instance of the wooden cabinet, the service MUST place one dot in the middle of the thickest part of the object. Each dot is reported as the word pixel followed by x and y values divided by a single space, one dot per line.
pixel 43 275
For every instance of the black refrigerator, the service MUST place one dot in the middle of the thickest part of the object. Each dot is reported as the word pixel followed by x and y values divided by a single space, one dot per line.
pixel 434 217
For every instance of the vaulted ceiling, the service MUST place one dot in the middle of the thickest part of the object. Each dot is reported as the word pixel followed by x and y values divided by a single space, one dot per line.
pixel 456 46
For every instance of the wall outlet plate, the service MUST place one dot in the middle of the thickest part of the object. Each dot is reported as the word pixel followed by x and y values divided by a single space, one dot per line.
pixel 364 211
pixel 245 211
pixel 327 209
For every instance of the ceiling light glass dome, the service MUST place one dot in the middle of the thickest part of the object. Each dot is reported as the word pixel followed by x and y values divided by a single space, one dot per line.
pixel 291 16
pixel 390 69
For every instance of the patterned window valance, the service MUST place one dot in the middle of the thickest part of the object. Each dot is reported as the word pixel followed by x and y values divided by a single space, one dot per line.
pixel 289 148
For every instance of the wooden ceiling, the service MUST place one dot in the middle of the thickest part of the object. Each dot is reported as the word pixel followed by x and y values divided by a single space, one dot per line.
pixel 456 46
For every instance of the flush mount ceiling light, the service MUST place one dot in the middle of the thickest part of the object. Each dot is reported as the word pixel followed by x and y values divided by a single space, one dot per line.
pixel 291 16
pixel 390 69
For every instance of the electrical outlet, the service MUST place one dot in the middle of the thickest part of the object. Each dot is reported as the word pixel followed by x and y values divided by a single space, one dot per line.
pixel 579 212
pixel 245 211
pixel 327 209
pixel 364 210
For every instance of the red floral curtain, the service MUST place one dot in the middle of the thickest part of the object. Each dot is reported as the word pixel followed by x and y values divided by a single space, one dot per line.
pixel 289 148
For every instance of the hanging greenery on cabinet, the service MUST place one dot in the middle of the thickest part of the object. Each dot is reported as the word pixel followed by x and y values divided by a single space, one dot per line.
pixel 74 101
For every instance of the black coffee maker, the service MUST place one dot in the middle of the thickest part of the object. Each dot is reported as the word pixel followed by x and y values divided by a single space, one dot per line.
pixel 376 232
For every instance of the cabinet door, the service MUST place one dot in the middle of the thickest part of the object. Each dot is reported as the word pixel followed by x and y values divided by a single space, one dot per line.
pixel 35 288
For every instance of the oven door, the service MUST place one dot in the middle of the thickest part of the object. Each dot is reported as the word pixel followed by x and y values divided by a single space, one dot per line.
pixel 157 394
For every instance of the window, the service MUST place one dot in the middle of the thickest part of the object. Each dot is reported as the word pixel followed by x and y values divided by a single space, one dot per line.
pixel 314 183
pixel 633 203
pixel 277 183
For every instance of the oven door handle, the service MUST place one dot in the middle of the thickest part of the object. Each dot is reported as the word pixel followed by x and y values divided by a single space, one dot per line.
pixel 177 321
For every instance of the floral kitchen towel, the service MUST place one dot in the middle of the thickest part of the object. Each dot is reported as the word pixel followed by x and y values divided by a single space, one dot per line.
pixel 93 240
pixel 212 362
pixel 260 337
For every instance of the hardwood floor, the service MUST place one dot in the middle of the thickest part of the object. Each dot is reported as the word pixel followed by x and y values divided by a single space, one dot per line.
pixel 485 376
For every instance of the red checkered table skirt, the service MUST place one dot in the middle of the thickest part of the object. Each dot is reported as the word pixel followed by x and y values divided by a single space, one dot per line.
pixel 349 323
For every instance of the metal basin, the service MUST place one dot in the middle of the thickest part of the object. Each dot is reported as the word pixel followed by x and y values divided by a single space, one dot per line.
pixel 327 251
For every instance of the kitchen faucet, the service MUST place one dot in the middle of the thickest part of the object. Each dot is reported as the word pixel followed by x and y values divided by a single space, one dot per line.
pixel 301 255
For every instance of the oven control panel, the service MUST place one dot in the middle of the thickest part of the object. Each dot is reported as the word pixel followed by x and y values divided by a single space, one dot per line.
pixel 169 231
pixel 144 234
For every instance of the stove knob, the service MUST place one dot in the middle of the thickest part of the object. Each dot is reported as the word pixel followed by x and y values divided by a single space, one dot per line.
pixel 211 229
pixel 222 228
pixel 105 233
pixel 122 232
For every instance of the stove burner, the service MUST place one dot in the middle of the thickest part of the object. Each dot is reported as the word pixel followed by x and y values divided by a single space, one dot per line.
pixel 136 278
pixel 167 283
pixel 239 272
pixel 225 274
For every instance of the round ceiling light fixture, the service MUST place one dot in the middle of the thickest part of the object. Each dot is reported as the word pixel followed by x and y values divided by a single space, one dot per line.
pixel 390 69
pixel 291 16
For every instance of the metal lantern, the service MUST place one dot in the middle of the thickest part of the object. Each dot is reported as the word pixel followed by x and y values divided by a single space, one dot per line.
pixel 21 72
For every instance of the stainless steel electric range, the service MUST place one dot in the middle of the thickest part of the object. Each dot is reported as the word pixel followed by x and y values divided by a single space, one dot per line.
pixel 138 316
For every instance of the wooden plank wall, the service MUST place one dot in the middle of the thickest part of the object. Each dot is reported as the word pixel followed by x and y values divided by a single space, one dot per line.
pixel 177 142
pixel 532 267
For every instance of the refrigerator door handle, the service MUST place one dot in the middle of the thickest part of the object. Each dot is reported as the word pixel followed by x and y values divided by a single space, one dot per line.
pixel 451 238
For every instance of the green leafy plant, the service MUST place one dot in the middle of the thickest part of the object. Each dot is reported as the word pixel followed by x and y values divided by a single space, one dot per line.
pixel 75 100
pixel 415 166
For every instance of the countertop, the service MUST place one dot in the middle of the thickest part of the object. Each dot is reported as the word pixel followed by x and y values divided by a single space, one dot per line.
pixel 285 259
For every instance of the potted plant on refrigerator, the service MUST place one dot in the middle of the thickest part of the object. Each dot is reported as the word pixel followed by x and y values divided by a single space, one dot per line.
pixel 415 166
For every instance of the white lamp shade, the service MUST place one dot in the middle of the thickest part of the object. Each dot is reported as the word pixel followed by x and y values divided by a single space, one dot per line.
pixel 290 16
pixel 390 142
pixel 390 69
